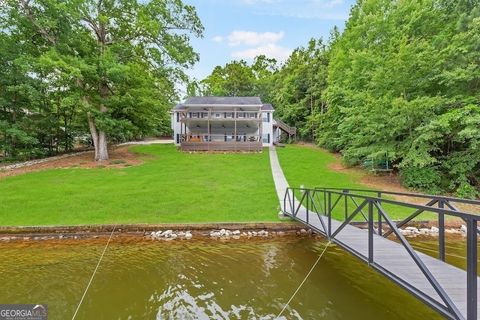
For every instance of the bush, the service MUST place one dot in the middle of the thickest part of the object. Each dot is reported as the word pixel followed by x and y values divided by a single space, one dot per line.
pixel 424 179
pixel 467 191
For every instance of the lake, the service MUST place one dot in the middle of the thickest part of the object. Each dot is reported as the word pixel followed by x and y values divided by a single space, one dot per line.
pixel 201 279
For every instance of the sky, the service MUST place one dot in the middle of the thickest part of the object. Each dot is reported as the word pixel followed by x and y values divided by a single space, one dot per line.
pixel 243 29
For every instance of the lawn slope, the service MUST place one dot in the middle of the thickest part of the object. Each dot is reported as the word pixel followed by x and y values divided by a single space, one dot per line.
pixel 170 186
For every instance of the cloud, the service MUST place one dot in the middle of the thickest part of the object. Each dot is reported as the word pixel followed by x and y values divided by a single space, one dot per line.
pixel 217 38
pixel 270 50
pixel 251 38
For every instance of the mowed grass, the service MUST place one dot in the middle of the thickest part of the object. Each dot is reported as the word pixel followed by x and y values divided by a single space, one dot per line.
pixel 170 187
pixel 311 167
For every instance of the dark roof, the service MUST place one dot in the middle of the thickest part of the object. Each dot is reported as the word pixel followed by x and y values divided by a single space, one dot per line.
pixel 267 107
pixel 224 100
pixel 234 101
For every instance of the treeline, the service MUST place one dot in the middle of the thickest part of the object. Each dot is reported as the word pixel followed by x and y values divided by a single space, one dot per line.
pixel 400 83
pixel 89 72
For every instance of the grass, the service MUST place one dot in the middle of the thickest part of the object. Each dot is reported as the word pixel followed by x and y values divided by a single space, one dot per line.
pixel 170 186
pixel 310 166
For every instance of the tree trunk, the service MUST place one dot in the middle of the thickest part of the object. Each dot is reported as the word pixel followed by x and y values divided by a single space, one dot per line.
pixel 99 139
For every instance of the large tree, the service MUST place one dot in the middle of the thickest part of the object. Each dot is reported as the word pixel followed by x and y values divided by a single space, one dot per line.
pixel 115 61
pixel 404 83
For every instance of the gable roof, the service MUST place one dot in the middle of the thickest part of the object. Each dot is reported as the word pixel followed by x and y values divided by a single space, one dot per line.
pixel 223 100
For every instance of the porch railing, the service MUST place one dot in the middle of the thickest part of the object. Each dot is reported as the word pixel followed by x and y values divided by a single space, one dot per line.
pixel 238 138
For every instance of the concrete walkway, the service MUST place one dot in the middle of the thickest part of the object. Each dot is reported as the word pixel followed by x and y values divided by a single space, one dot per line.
pixel 281 183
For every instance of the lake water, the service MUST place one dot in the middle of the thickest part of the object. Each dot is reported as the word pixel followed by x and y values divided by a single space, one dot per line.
pixel 236 279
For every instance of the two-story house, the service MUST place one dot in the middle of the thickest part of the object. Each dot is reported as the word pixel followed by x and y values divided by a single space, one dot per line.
pixel 224 124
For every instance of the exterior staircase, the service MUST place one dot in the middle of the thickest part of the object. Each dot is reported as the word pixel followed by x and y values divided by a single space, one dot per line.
pixel 291 131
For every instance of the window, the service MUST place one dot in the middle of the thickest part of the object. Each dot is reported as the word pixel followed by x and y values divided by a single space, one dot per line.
pixel 266 138
pixel 178 137
pixel 266 117
pixel 178 116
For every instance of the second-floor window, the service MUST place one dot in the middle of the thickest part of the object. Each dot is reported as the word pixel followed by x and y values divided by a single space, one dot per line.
pixel 266 117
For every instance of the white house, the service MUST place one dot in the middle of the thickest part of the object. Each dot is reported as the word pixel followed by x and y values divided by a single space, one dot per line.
pixel 224 123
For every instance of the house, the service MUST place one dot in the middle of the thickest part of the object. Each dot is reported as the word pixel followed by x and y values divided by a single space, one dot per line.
pixel 224 124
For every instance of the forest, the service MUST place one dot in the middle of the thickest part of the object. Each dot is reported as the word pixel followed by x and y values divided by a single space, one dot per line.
pixel 400 82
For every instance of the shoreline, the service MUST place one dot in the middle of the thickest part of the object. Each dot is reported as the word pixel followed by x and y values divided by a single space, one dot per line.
pixel 203 230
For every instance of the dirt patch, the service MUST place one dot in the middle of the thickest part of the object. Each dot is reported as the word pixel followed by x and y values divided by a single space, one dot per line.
pixel 120 157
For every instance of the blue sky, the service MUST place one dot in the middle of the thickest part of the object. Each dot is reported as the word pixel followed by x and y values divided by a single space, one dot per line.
pixel 242 29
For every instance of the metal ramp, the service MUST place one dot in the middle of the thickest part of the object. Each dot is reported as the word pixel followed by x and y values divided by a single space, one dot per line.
pixel 450 290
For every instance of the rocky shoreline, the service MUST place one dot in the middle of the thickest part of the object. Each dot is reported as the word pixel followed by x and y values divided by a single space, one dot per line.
pixel 433 231
pixel 169 232
pixel 169 235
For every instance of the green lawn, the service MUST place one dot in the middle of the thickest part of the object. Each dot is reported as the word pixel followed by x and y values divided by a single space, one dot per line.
pixel 170 186
pixel 309 166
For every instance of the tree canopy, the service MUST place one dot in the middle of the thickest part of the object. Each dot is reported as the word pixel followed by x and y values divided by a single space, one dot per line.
pixel 103 67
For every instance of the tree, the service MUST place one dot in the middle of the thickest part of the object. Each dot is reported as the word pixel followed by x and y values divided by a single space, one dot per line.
pixel 401 79
pixel 298 87
pixel 116 61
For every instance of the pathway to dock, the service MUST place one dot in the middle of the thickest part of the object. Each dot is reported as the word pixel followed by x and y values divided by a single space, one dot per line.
pixel 437 283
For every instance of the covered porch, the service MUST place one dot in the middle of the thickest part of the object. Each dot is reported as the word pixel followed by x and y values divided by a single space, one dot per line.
pixel 201 135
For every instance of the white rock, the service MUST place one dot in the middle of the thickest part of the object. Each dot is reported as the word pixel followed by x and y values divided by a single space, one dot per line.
pixel 228 233
pixel 173 236
pixel 236 237
pixel 181 234
pixel 254 233
pixel 249 233
pixel 236 232
pixel 222 232
pixel 463 228
pixel 303 231
pixel 167 233
pixel 434 230
pixel 158 234
pixel 188 235
pixel 424 230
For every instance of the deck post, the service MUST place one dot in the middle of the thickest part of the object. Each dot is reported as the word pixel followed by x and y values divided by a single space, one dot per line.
pixel 380 231
pixel 329 213
pixel 345 191
pixel 441 231
pixel 308 196
pixel 370 231
pixel 293 202
pixel 471 269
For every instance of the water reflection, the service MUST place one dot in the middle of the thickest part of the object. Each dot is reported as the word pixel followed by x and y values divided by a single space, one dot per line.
pixel 200 280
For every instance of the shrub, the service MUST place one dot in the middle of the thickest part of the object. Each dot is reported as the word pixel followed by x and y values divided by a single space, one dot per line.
pixel 466 190
pixel 425 179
